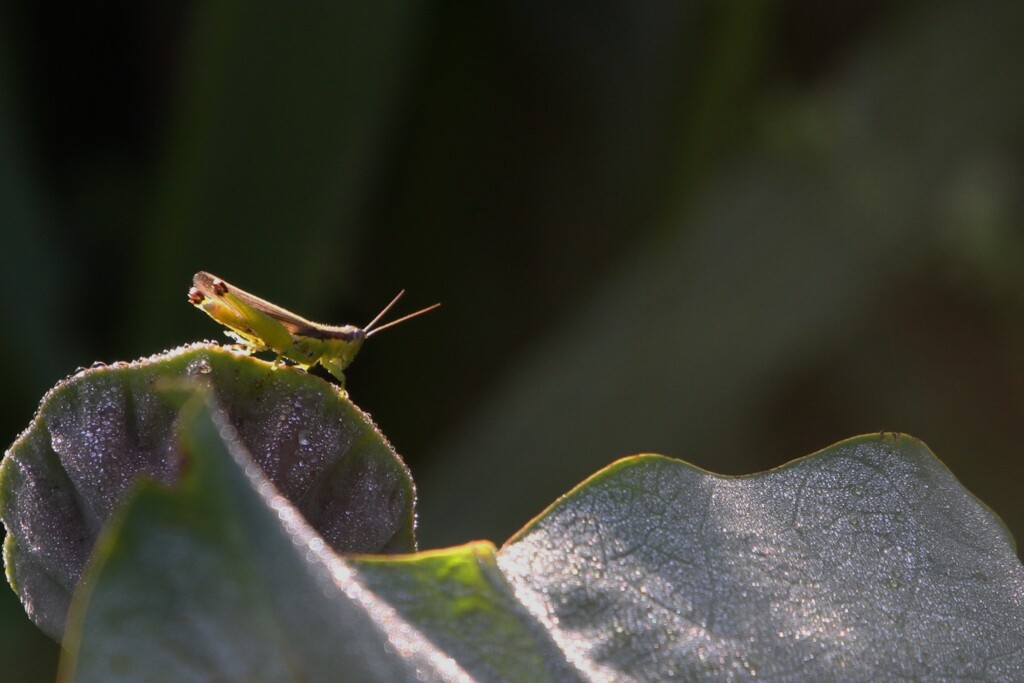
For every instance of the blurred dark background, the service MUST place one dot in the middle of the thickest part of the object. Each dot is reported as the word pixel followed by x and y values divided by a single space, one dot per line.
pixel 731 232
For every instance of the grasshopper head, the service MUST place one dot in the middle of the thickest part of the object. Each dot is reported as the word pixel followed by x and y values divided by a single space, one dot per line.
pixel 343 351
pixel 339 353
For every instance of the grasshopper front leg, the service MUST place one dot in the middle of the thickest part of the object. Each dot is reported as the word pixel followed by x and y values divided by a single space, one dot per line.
pixel 336 369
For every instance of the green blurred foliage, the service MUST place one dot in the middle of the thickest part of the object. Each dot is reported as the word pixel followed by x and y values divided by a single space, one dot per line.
pixel 730 232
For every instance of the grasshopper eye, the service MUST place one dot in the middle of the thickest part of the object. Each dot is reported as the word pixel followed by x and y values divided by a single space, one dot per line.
pixel 195 297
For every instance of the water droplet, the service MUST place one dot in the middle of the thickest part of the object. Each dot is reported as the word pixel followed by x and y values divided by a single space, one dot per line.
pixel 200 367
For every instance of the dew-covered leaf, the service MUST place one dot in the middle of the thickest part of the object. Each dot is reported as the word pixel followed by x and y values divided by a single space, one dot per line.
pixel 220 578
pixel 97 430
pixel 867 561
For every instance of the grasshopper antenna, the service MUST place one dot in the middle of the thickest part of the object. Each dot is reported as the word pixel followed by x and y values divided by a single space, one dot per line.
pixel 370 330
pixel 384 312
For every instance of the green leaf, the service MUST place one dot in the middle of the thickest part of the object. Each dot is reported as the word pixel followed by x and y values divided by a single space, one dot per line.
pixel 220 578
pixel 459 599
pixel 867 561
pixel 96 432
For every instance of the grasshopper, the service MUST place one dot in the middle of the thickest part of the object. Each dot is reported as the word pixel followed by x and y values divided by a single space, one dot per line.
pixel 261 326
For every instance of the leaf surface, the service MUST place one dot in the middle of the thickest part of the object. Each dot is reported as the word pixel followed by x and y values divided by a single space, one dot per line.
pixel 867 561
pixel 97 431
pixel 220 578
